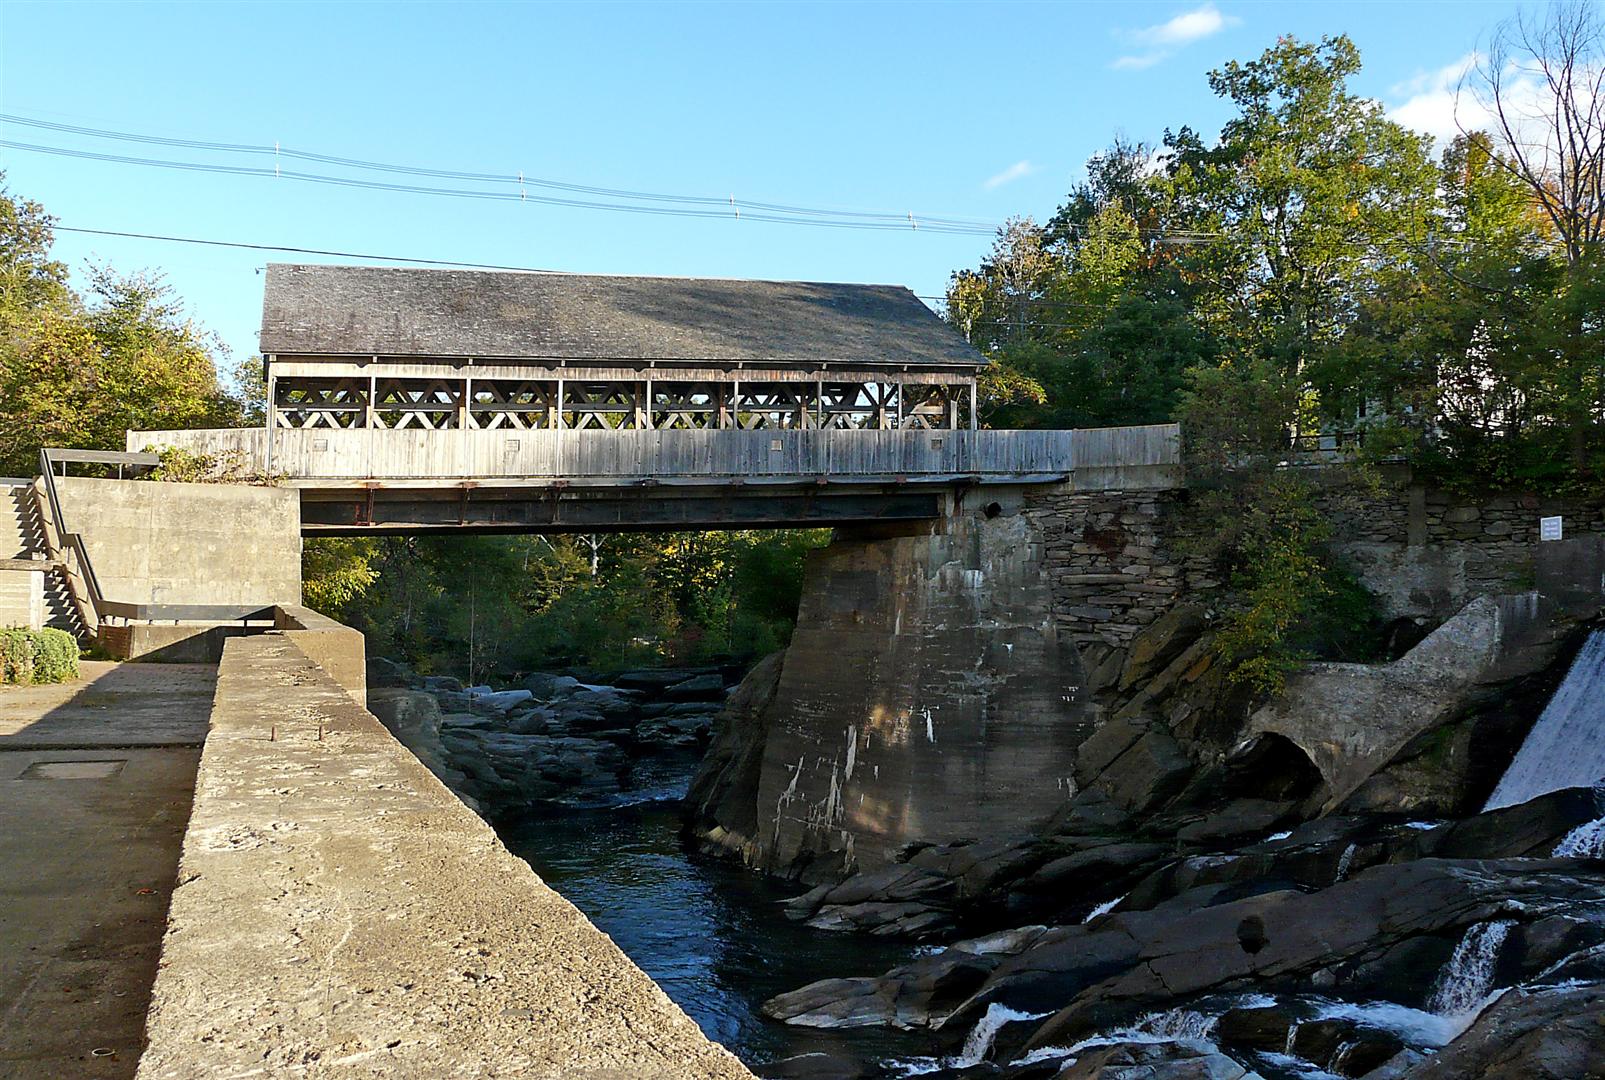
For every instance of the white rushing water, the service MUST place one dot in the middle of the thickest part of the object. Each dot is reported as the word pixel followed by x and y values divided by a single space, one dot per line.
pixel 1467 978
pixel 1104 908
pixel 1344 861
pixel 976 1045
pixel 1587 841
pixel 1566 748
pixel 1415 1026
pixel 1172 1025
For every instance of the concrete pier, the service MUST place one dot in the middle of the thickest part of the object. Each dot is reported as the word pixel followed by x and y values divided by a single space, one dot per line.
pixel 341 914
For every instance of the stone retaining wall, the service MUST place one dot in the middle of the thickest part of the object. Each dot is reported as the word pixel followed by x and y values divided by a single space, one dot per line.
pixel 1117 561
pixel 1113 560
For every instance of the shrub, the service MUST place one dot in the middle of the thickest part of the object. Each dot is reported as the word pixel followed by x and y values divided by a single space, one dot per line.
pixel 37 656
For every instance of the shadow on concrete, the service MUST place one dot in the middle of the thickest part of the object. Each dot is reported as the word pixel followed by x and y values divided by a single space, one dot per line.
pixel 96 783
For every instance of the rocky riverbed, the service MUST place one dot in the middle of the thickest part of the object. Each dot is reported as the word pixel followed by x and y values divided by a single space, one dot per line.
pixel 1221 919
pixel 552 739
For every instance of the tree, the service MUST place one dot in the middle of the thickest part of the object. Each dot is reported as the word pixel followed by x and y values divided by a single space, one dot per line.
pixel 1542 83
pixel 1309 192
pixel 81 373
pixel 29 278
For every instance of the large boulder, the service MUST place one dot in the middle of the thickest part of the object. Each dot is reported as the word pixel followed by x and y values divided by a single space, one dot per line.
pixel 722 801
pixel 1178 1060
pixel 1544 1033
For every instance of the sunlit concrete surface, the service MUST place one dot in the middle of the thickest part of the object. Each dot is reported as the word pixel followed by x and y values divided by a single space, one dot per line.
pixel 341 914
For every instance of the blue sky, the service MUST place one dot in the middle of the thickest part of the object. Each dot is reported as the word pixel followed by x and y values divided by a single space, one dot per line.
pixel 976 111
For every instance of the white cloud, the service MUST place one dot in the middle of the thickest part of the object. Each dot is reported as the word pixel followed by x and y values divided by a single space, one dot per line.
pixel 1009 175
pixel 1137 62
pixel 1431 101
pixel 1162 40
pixel 1184 29
pixel 1436 103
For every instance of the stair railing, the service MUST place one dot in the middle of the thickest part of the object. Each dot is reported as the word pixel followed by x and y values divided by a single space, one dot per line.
pixel 67 547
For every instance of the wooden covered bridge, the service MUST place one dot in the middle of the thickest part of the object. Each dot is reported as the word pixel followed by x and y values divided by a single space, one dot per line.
pixel 403 399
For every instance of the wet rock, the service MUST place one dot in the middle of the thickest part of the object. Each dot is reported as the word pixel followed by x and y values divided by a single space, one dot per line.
pixel 1237 820
pixel 1154 1061
pixel 919 994
pixel 1153 649
pixel 533 722
pixel 1152 769
pixel 914 921
pixel 697 688
pixel 541 685
pixel 1070 882
pixel 1532 828
pixel 1194 945
pixel 654 681
pixel 722 801
pixel 1553 1033
pixel 1258 1028
pixel 384 673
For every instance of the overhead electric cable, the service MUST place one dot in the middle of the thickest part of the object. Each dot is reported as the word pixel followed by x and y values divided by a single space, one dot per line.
pixel 303 250
pixel 728 206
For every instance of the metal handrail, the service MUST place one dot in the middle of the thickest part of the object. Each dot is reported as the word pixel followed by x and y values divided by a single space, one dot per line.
pixel 99 607
pixel 85 569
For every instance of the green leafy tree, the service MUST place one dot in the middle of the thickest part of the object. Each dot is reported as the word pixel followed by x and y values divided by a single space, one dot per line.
pixel 81 373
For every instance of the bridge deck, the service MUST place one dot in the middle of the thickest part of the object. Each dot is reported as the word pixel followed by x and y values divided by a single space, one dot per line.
pixel 360 479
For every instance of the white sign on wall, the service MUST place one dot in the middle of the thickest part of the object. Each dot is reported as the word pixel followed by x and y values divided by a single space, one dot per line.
pixel 1549 528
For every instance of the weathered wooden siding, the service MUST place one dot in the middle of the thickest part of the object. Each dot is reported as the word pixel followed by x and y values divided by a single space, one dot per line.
pixel 1106 458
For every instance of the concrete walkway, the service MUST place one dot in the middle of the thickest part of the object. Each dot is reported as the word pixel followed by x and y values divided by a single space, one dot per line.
pixel 96 779
pixel 343 915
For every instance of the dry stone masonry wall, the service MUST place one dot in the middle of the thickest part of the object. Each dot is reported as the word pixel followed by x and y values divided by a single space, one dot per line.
pixel 1114 560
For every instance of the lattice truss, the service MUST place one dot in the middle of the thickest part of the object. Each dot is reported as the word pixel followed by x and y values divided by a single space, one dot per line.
pixel 434 404
pixel 312 403
pixel 510 403
pixel 521 404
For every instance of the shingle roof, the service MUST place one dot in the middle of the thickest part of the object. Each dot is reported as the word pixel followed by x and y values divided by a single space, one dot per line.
pixel 388 311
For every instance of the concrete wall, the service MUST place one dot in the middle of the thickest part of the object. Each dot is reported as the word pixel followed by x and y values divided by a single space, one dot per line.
pixel 341 914
pixel 333 646
pixel 188 543
pixel 169 643
pixel 927 693
pixel 1430 552
pixel 22 598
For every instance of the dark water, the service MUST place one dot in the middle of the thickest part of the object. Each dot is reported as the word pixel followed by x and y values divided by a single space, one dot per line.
pixel 711 934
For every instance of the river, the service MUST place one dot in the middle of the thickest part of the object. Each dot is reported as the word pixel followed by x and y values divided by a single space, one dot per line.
pixel 710 933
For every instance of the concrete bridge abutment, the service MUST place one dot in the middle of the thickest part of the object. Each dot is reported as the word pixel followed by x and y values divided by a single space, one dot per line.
pixel 937 684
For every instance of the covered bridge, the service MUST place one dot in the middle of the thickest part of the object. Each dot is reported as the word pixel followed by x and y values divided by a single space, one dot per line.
pixel 405 399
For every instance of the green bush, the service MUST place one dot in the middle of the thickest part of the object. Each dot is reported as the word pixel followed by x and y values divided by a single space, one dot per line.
pixel 37 656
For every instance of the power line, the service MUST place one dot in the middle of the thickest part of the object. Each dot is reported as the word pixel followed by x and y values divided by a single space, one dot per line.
pixel 302 250
pixel 506 187
pixel 896 218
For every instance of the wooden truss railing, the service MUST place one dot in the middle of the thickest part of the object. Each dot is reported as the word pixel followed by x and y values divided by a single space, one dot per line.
pixel 447 403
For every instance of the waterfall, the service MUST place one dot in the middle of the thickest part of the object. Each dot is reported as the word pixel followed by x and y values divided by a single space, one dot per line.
pixel 1566 748
pixel 1469 974
pixel 979 1041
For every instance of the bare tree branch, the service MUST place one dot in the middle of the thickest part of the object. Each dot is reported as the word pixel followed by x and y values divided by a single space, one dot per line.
pixel 1541 82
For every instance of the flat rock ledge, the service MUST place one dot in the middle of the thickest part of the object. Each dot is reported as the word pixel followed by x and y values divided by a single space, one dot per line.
pixel 340 914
